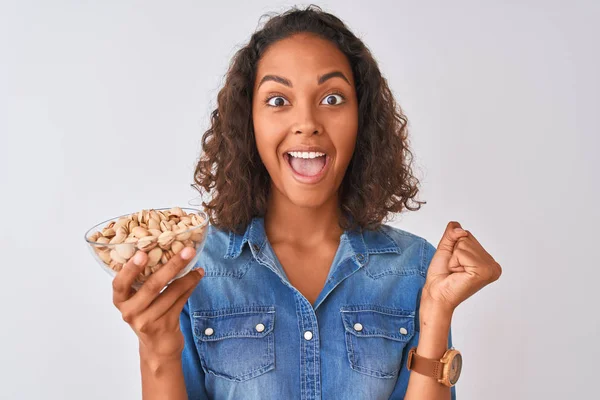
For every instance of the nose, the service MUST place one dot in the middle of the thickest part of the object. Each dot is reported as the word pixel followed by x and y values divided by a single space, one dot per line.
pixel 307 122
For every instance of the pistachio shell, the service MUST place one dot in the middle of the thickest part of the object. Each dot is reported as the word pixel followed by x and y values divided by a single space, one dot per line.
pixel 140 232
pixel 94 236
pixel 176 211
pixel 154 223
pixel 132 224
pixel 104 256
pixel 162 216
pixel 103 240
pixel 183 235
pixel 165 239
pixel 165 226
pixel 154 256
pixel 117 257
pixel 147 243
pixel 115 265
pixel 197 236
pixel 108 232
pixel 125 250
pixel 177 246
pixel 155 232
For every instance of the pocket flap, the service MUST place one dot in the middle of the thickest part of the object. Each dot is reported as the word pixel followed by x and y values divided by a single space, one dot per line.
pixel 377 321
pixel 251 322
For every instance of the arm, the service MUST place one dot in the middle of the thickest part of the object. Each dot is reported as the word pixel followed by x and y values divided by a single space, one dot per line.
pixel 161 379
pixel 434 339
pixel 406 387
pixel 178 378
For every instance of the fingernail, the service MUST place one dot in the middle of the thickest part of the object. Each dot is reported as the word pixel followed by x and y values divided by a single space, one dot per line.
pixel 187 253
pixel 138 259
pixel 458 230
pixel 200 271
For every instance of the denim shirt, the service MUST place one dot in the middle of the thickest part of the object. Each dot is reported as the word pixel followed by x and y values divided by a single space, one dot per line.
pixel 250 334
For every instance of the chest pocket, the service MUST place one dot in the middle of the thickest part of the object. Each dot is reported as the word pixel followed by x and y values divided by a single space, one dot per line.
pixel 376 338
pixel 236 343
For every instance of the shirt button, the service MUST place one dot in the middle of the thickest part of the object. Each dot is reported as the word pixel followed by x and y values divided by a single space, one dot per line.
pixel 209 331
pixel 260 328
pixel 403 331
pixel 308 335
pixel 358 327
pixel 255 247
pixel 360 257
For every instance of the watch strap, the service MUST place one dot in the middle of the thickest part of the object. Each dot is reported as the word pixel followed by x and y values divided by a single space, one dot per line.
pixel 425 366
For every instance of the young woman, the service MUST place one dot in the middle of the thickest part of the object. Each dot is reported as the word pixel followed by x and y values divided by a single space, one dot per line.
pixel 306 294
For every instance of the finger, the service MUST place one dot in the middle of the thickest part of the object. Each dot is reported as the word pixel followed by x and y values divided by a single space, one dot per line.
pixel 172 295
pixel 156 282
pixel 172 316
pixel 445 249
pixel 123 281
pixel 449 238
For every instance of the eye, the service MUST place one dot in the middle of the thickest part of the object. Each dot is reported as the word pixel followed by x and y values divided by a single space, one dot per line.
pixel 334 102
pixel 278 103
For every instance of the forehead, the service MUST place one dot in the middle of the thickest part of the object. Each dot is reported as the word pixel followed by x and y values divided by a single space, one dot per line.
pixel 301 58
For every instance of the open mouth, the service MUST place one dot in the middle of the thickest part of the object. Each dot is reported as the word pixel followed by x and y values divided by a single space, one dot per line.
pixel 308 170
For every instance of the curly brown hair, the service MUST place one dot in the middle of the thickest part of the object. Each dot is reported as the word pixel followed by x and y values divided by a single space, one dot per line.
pixel 379 178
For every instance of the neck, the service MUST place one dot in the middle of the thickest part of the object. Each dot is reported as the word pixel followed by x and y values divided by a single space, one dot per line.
pixel 288 223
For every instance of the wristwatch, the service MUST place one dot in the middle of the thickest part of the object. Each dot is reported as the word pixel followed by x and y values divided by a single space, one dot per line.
pixel 446 371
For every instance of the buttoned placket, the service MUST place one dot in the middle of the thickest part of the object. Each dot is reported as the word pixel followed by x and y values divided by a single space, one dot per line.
pixel 352 259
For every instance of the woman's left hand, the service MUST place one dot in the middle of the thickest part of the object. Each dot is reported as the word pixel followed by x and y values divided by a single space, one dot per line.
pixel 460 267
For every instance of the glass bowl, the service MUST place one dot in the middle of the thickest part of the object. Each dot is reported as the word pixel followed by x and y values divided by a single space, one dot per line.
pixel 114 241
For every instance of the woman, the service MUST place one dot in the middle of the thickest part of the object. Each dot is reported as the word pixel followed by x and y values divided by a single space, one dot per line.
pixel 308 294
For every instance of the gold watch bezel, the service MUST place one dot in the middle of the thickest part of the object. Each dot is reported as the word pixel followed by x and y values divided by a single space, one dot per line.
pixel 446 361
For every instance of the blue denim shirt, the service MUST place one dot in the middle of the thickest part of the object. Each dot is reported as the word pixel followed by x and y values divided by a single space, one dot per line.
pixel 250 334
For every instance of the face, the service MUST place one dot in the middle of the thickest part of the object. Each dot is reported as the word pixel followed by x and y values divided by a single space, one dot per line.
pixel 291 108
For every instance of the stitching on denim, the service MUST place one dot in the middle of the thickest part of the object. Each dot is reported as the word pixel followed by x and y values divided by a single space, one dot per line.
pixel 397 249
pixel 401 272
pixel 396 312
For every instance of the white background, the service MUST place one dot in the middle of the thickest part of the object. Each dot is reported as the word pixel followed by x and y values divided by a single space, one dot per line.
pixel 103 104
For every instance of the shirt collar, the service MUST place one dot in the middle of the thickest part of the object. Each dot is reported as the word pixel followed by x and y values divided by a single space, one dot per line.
pixel 362 242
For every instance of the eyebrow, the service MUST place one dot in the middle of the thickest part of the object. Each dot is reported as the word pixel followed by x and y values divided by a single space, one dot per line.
pixel 320 79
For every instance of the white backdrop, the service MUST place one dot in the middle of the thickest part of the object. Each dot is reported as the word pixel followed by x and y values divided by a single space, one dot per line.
pixel 102 106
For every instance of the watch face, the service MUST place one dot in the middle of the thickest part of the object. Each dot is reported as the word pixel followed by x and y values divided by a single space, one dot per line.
pixel 455 367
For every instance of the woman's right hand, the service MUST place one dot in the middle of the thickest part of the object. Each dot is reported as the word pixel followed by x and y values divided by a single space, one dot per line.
pixel 154 316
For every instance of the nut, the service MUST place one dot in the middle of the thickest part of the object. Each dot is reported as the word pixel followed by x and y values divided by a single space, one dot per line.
pixel 159 233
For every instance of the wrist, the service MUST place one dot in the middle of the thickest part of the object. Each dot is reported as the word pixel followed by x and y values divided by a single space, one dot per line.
pixel 435 313
pixel 157 362
pixel 435 324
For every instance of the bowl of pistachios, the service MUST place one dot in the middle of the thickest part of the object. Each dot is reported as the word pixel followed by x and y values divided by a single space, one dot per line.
pixel 161 233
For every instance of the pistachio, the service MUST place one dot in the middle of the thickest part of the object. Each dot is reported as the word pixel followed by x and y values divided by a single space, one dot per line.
pixel 104 255
pixel 147 243
pixel 165 239
pixel 117 257
pixel 176 211
pixel 139 232
pixel 108 232
pixel 155 232
pixel 154 223
pixel 160 233
pixel 154 256
pixel 183 235
pixel 125 250
pixel 165 226
pixel 177 246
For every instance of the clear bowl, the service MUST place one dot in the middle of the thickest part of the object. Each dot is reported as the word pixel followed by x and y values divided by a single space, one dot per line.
pixel 112 256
